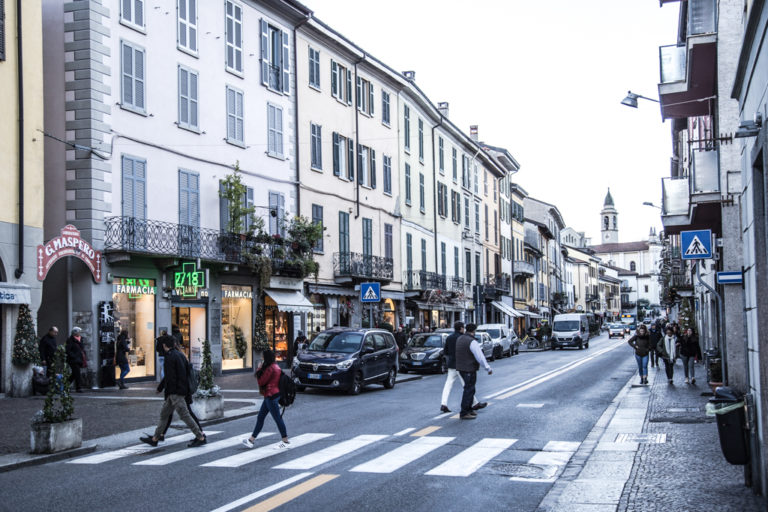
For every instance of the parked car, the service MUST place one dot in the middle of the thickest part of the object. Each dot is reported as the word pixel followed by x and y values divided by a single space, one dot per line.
pixel 347 359
pixel 616 330
pixel 485 343
pixel 425 353
pixel 629 327
pixel 570 330
pixel 505 341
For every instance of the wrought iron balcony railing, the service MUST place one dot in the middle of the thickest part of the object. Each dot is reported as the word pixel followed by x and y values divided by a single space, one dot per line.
pixel 592 297
pixel 626 289
pixel 455 285
pixel 357 265
pixel 499 283
pixel 422 280
pixel 628 305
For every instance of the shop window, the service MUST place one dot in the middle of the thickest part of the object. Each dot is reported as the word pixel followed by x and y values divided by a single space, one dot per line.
pixel 134 301
pixel 236 327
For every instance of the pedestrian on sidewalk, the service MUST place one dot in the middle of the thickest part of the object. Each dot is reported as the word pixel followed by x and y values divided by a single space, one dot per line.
pixel 641 342
pixel 47 348
pixel 121 357
pixel 161 352
pixel 76 357
pixel 668 351
pixel 655 336
pixel 469 357
pixel 449 352
pixel 400 338
pixel 187 397
pixel 176 389
pixel 689 348
pixel 268 376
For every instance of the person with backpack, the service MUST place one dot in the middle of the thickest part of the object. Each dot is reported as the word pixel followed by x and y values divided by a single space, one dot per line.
pixel 192 380
pixel 268 375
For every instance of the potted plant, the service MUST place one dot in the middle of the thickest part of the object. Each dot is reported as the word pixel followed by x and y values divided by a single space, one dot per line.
pixel 240 221
pixel 207 401
pixel 53 429
pixel 25 354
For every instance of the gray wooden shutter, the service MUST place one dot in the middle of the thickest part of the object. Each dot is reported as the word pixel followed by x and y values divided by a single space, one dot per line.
pixel 248 204
pixel 336 152
pixel 334 79
pixel 350 159
pixel 140 189
pixel 285 63
pixel 373 167
pixel 127 187
pixel 349 87
pixel 223 209
pixel 183 197
pixel 264 51
pixel 138 78
pixel 370 98
pixel 360 177
pixel 273 205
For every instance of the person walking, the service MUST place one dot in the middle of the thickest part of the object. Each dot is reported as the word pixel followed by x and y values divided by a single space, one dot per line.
pixel 161 352
pixel 400 338
pixel 449 352
pixel 667 349
pixel 76 357
pixel 176 389
pixel 655 337
pixel 641 342
pixel 299 343
pixel 268 376
pixel 187 397
pixel 121 357
pixel 47 347
pixel 469 357
pixel 689 349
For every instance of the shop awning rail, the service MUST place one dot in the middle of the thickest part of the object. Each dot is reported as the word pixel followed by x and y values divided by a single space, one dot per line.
pixel 290 301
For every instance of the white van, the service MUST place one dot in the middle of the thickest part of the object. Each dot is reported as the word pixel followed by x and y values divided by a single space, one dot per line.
pixel 570 330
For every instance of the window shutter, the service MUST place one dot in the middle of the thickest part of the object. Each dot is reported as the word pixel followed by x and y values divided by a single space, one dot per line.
pixel 249 204
pixel 334 79
pixel 138 11
pixel 223 209
pixel 183 198
pixel 140 189
pixel 370 98
pixel 273 205
pixel 285 62
pixel 336 152
pixel 264 51
pixel 127 187
pixel 193 99
pixel 373 168
pixel 349 88
pixel 350 159
pixel 359 92
pixel 183 97
pixel 127 64
pixel 138 78
pixel 194 200
pixel 360 177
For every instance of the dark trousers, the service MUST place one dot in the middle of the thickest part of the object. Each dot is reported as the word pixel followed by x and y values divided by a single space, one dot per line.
pixel 188 400
pixel 669 367
pixel 470 379
pixel 654 357
pixel 75 375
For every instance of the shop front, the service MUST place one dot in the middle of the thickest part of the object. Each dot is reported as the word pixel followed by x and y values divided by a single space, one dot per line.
pixel 189 311
pixel 236 327
pixel 134 312
pixel 282 317
pixel 317 318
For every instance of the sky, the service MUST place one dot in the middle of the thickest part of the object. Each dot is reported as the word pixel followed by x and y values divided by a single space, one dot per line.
pixel 543 79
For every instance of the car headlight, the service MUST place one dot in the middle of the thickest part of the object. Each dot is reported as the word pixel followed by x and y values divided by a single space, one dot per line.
pixel 403 356
pixel 295 363
pixel 436 355
pixel 345 365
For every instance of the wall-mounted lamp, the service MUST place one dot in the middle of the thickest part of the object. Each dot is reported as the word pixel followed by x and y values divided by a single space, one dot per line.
pixel 631 99
pixel 749 128
pixel 648 203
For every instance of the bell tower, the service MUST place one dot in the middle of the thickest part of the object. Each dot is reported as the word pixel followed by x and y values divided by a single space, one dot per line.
pixel 609 227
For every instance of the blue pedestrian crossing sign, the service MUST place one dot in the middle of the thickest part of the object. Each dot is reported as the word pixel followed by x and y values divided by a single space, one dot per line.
pixel 696 245
pixel 370 292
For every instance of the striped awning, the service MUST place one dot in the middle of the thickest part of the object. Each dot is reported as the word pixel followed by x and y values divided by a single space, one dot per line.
pixel 507 310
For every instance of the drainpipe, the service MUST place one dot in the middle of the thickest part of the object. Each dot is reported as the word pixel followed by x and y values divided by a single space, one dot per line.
pixel 357 141
pixel 434 193
pixel 296 117
pixel 20 69
pixel 720 320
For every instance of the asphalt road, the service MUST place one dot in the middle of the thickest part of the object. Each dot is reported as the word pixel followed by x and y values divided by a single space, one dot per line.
pixel 380 450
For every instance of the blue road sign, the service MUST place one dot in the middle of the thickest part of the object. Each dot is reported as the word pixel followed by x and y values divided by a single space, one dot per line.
pixel 696 245
pixel 370 292
pixel 729 278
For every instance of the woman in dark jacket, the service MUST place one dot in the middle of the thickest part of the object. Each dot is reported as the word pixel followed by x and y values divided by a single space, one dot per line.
pixel 121 357
pixel 689 350
pixel 641 342
pixel 655 335
pixel 268 375
pixel 76 357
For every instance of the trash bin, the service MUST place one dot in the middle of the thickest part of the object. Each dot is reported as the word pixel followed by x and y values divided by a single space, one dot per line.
pixel 728 408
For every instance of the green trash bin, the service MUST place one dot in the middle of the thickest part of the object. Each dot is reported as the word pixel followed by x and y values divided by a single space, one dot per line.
pixel 728 409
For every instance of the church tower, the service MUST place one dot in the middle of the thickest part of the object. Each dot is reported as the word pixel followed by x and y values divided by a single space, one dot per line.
pixel 609 227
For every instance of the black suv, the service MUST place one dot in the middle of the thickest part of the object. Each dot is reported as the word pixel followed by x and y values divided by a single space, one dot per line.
pixel 347 359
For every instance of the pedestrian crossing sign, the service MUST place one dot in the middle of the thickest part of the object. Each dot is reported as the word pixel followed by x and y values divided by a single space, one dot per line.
pixel 370 292
pixel 696 245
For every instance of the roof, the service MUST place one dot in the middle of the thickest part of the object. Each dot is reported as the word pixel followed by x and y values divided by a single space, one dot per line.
pixel 625 272
pixel 608 198
pixel 620 247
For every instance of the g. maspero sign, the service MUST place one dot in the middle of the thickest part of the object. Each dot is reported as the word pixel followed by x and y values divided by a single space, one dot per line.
pixel 68 243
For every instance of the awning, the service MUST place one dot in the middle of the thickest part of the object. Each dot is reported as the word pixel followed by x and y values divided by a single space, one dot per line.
pixel 292 301
pixel 15 294
pixel 388 294
pixel 507 310
pixel 332 290
pixel 529 314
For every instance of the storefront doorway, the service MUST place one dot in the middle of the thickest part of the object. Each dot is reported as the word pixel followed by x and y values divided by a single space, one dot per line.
pixel 189 321
pixel 134 301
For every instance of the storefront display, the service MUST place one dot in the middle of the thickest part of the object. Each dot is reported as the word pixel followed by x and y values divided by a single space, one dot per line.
pixel 316 319
pixel 388 312
pixel 189 328
pixel 134 311
pixel 277 323
pixel 236 327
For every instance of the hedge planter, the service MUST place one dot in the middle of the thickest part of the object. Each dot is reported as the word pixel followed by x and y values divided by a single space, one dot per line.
pixel 21 380
pixel 208 407
pixel 56 437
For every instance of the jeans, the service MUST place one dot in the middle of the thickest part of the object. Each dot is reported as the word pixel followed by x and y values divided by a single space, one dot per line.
pixel 450 378
pixel 642 364
pixel 188 400
pixel 270 405
pixel 161 362
pixel 470 379
pixel 688 362
pixel 75 375
pixel 176 403
pixel 124 370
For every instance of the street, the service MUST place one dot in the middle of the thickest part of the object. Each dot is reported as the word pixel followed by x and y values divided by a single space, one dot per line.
pixel 381 450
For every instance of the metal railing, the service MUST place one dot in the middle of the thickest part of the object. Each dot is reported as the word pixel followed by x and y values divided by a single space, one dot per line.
pixel 523 268
pixel 422 280
pixel 353 264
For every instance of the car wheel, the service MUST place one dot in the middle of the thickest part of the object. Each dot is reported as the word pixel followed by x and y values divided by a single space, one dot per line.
pixel 389 382
pixel 497 353
pixel 357 384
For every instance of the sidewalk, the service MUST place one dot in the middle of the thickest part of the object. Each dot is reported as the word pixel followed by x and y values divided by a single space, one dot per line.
pixel 654 449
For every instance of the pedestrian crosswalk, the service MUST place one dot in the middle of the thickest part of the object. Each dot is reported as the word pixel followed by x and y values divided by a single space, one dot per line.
pixel 385 453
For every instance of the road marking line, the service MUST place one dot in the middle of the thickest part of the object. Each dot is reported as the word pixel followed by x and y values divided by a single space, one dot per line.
pixel 162 460
pixel 137 449
pixel 531 406
pixel 405 431
pixel 332 452
pixel 291 494
pixel 426 431
pixel 240 459
pixel 441 416
pixel 550 458
pixel 473 458
pixel 262 492
pixel 561 446
pixel 403 455
pixel 455 416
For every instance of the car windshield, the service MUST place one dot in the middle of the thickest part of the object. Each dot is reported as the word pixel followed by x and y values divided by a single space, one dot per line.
pixel 566 325
pixel 427 341
pixel 344 342
pixel 617 326
pixel 493 333
pixel 479 337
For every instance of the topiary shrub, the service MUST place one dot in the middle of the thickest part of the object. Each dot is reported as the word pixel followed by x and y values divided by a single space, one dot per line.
pixel 59 405
pixel 205 386
pixel 25 350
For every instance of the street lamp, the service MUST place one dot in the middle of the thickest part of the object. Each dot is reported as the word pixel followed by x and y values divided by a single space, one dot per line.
pixel 631 99
pixel 648 203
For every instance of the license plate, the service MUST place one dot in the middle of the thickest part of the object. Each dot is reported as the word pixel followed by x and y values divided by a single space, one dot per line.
pixel 316 376
pixel 416 363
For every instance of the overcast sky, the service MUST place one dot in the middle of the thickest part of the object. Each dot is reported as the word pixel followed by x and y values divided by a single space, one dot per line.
pixel 543 79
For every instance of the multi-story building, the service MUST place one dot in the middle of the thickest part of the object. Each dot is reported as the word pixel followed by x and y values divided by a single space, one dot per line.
pixel 609 302
pixel 585 278
pixel 21 171
pixel 549 222
pixel 524 258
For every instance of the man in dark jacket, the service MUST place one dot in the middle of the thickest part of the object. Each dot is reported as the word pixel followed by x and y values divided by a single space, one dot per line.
pixel 469 357
pixel 176 388
pixel 47 347
pixel 76 357
pixel 449 352
pixel 400 338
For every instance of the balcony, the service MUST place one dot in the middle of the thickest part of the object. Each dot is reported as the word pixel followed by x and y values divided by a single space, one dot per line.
pixel 500 283
pixel 628 305
pixel 421 280
pixel 688 71
pixel 348 266
pixel 626 289
pixel 456 286
pixel 523 269
pixel 675 204
pixel 592 297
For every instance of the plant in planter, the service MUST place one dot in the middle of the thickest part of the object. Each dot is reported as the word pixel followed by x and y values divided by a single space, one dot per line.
pixel 25 354
pixel 207 401
pixel 241 346
pixel 240 221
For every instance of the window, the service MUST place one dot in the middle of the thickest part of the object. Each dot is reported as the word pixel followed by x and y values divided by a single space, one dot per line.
pixel 314 68
pixel 477 218
pixel 455 207
pixel 421 140
pixel 187 19
pixel 274 131
pixel 188 99
pixel 464 171
pixel 364 96
pixel 367 241
pixel 277 203
pixel 134 187
pixel 454 158
pixel 456 270
pixel 494 190
pixel 632 266
pixel 495 228
pixel 132 12
pixel 341 83
pixel 344 235
pixel 485 182
pixel 246 201
pixel 408 184
pixel 408 252
pixel 235 117
pixel 422 193
pixel 189 198
pixel 316 146
pixel 234 37
pixel 387 174
pixel 486 222
pixel 477 180
pixel 133 85
pixel 423 254
pixel 442 200
pixel 275 58
pixel 366 166
pixel 442 258
pixel 477 268
pixel 343 157
pixel 317 218
pixel 388 251
pixel 468 266
pixel 385 108
pixel 407 127
pixel 466 213
pixel 441 155
pixel 646 288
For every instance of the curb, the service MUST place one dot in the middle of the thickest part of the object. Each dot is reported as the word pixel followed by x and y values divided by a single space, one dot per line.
pixel 36 460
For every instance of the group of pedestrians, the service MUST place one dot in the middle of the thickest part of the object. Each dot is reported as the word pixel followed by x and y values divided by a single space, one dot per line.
pixel 669 346
pixel 463 357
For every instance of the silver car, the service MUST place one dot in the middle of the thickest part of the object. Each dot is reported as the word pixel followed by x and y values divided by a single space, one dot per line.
pixel 486 344
pixel 505 342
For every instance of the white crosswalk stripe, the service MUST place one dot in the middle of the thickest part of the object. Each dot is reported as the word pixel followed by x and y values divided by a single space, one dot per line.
pixel 248 456
pixel 332 452
pixel 473 458
pixel 138 449
pixel 551 459
pixel 163 460
pixel 403 455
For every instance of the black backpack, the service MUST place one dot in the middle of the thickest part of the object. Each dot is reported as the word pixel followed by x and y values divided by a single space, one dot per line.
pixel 287 391
pixel 193 377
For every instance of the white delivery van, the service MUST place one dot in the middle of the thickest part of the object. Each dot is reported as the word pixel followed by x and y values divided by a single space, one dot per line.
pixel 570 330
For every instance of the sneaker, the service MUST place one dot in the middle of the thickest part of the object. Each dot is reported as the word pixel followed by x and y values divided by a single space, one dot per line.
pixel 197 442
pixel 693 381
pixel 444 408
pixel 283 445
pixel 687 381
pixel 247 442
pixel 161 438
pixel 467 416
pixel 479 405
pixel 148 440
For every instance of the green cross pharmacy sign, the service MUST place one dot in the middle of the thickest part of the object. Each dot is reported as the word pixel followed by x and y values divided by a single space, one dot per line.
pixel 189 280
